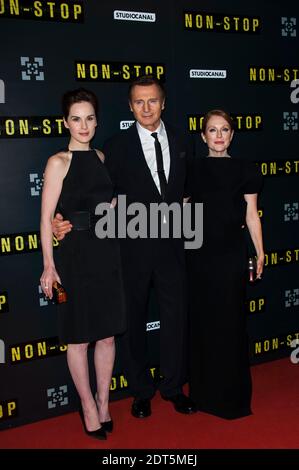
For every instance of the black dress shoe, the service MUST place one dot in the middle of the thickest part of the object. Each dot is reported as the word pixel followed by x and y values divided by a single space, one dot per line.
pixel 141 408
pixel 97 434
pixel 181 403
pixel 107 425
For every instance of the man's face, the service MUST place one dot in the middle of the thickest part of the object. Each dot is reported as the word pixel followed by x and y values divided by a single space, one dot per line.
pixel 147 104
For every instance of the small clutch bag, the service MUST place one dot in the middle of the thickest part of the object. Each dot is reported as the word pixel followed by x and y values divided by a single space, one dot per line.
pixel 59 293
pixel 252 269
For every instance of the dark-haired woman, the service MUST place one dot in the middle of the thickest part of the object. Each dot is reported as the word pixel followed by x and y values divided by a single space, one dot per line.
pixel 76 181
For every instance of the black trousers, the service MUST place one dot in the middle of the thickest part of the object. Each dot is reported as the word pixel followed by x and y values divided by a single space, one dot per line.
pixel 165 270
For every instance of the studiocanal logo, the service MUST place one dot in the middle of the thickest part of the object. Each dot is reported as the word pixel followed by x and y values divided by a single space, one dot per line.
pixel 134 16
pixel 154 325
pixel 199 73
pixel 123 125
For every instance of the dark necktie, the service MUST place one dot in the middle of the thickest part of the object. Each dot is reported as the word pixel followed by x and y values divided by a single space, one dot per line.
pixel 160 167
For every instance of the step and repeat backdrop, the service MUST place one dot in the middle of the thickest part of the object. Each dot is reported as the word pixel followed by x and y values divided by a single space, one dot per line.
pixel 240 56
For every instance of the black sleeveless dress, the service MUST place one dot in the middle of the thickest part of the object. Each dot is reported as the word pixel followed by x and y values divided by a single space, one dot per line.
pixel 89 267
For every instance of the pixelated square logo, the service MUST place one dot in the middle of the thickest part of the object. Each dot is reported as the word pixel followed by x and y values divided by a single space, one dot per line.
pixel 290 121
pixel 36 182
pixel 291 298
pixel 288 27
pixel 43 301
pixel 57 396
pixel 291 211
pixel 32 69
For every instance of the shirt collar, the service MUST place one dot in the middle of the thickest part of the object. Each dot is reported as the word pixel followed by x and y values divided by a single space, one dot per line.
pixel 145 133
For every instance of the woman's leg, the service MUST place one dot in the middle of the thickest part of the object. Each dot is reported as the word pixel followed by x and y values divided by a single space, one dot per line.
pixel 78 365
pixel 104 356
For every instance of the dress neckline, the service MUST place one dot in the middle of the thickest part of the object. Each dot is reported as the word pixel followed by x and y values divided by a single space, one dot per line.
pixel 219 158
pixel 74 150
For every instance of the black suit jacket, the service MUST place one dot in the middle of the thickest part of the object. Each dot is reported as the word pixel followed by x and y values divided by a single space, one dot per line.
pixel 131 176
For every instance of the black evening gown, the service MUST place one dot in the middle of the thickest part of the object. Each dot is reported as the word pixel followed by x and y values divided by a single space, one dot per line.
pixel 89 267
pixel 220 380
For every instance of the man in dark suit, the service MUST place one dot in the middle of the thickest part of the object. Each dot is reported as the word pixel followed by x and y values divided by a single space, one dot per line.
pixel 148 164
pixel 136 171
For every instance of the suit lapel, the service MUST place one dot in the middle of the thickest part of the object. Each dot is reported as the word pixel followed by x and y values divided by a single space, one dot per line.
pixel 172 153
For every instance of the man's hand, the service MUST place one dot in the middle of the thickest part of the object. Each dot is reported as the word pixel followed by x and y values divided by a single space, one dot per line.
pixel 60 227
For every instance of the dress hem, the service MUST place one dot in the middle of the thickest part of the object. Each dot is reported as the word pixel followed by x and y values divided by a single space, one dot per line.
pixel 228 416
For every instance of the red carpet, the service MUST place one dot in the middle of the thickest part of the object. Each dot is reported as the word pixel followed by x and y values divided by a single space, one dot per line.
pixel 273 425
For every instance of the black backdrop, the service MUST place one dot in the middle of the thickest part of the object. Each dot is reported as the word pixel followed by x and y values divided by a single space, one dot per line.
pixel 244 58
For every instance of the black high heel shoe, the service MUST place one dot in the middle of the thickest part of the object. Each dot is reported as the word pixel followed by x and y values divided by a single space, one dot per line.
pixel 107 425
pixel 97 434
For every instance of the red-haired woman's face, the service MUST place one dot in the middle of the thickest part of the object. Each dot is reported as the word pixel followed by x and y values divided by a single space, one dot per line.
pixel 217 136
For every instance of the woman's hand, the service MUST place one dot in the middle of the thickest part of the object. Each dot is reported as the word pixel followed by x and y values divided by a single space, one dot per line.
pixel 60 227
pixel 113 203
pixel 255 229
pixel 49 276
pixel 260 266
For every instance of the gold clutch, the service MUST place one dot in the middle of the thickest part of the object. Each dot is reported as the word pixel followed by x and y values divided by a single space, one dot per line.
pixel 59 293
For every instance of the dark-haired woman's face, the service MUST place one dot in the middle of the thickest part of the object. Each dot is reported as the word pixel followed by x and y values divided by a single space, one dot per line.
pixel 217 136
pixel 81 122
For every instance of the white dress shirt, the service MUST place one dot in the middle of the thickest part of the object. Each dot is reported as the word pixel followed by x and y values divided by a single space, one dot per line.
pixel 148 147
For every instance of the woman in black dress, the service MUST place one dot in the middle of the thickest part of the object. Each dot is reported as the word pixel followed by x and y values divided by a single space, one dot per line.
pixel 220 380
pixel 76 181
